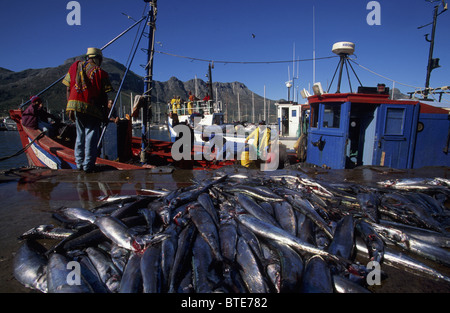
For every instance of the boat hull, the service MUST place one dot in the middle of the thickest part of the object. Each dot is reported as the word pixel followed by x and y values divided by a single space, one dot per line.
pixel 43 151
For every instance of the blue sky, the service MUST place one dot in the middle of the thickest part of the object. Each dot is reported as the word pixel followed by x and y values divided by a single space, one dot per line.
pixel 35 34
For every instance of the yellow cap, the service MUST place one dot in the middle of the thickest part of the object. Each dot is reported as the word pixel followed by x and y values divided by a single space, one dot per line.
pixel 93 52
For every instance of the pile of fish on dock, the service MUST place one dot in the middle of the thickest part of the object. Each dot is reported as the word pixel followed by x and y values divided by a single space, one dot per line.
pixel 238 233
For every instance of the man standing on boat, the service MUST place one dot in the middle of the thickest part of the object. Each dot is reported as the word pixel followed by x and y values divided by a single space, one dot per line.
pixel 87 87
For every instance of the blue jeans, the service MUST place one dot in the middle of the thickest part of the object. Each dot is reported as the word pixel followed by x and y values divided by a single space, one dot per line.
pixel 46 126
pixel 88 134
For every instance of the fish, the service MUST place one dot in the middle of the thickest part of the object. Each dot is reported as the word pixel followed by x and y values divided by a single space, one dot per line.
pixel 285 216
pixel 317 276
pixel 291 268
pixel 405 262
pixel 270 231
pixel 430 236
pixel 228 239
pixel 343 239
pixel 344 285
pixel 78 214
pixel 305 207
pixel 205 275
pixel 254 208
pixel 131 281
pixel 250 270
pixel 257 192
pixel 151 269
pixel 60 279
pixel 30 266
pixel 185 241
pixel 108 272
pixel 369 203
pixel 373 241
pixel 117 232
pixel 241 233
pixel 47 232
pixel 206 228
pixel 413 245
pixel 206 202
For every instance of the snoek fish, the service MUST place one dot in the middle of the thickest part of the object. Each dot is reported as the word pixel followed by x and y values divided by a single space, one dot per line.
pixel 30 266
pixel 416 246
pixel 317 276
pixel 305 207
pixel 249 269
pixel 343 240
pixel 59 277
pixel 403 261
pixel 116 231
pixel 270 231
pixel 254 208
pixel 206 228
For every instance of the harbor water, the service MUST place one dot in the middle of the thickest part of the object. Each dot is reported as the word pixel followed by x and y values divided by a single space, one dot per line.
pixel 29 196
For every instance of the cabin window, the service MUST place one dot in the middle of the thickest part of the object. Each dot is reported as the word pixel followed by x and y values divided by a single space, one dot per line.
pixel 294 113
pixel 314 115
pixel 218 119
pixel 394 121
pixel 331 116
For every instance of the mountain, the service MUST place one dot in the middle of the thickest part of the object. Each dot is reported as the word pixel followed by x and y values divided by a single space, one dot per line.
pixel 18 87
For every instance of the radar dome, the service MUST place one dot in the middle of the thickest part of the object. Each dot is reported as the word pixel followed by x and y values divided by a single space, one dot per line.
pixel 343 47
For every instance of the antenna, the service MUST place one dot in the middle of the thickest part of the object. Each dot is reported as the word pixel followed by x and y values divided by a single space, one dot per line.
pixel 314 45
pixel 289 84
pixel 343 49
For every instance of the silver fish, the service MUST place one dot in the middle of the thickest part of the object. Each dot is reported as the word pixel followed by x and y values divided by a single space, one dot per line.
pixel 131 281
pixel 249 269
pixel 284 214
pixel 30 266
pixel 118 232
pixel 254 208
pixel 206 228
pixel 47 232
pixel 151 269
pixel 317 276
pixel 345 285
pixel 343 240
pixel 305 207
pixel 267 230
pixel 59 277
pixel 413 245
pixel 78 214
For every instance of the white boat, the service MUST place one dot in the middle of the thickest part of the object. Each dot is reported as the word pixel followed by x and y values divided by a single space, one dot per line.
pixel 203 115
pixel 292 122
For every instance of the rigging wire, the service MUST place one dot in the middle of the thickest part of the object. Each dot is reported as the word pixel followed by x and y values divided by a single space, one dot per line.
pixel 241 62
pixel 387 78
pixel 417 90
pixel 24 148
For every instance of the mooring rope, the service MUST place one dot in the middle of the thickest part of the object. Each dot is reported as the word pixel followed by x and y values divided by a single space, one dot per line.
pixel 24 148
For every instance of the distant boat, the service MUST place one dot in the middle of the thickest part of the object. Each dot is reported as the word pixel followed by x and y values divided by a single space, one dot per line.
pixel 10 124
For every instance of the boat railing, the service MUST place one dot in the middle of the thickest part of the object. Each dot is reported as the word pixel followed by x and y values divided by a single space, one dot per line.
pixel 191 107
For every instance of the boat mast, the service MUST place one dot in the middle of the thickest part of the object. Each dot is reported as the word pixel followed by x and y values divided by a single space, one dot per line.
pixel 210 89
pixel 148 80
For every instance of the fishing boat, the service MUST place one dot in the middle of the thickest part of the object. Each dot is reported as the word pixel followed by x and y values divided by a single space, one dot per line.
pixel 120 150
pixel 292 126
pixel 368 128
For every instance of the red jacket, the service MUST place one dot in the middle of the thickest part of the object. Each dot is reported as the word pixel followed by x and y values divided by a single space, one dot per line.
pixel 30 116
